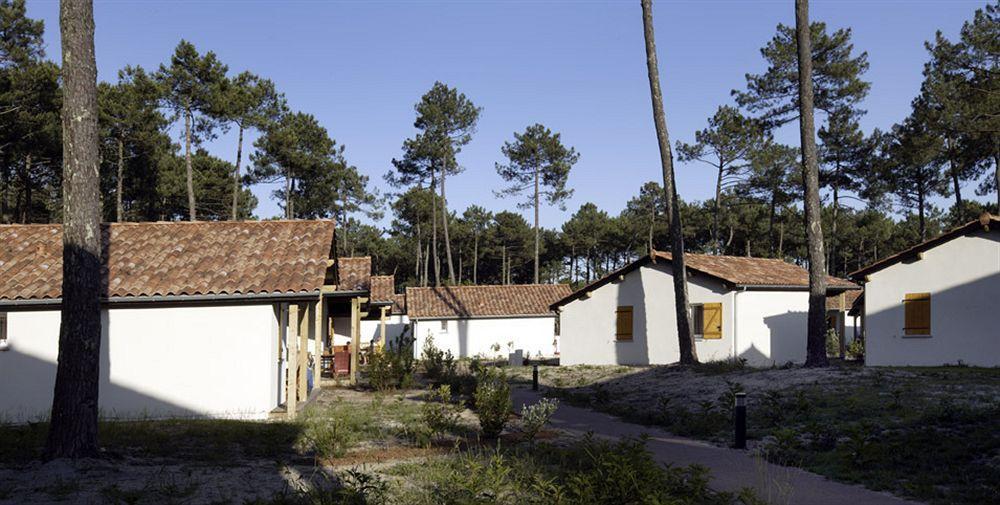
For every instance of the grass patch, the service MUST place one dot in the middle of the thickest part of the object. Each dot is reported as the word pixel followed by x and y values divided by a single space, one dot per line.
pixel 193 440
pixel 925 433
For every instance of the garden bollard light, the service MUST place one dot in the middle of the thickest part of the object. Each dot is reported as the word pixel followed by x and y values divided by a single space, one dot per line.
pixel 534 378
pixel 740 421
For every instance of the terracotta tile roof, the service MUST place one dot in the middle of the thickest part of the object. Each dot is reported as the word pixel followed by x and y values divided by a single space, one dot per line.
pixel 477 301
pixel 740 271
pixel 354 274
pixel 169 259
pixel 383 287
pixel 983 223
pixel 399 303
pixel 744 271
pixel 833 302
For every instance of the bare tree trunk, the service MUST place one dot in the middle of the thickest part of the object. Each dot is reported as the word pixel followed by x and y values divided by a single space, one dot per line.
pixel 73 427
pixel 24 214
pixel 537 235
pixel 503 264
pixel 996 170
pixel 716 212
pixel 434 231
pixel 688 353
pixel 833 229
pixel 236 176
pixel 192 213
pixel 921 218
pixel 475 259
pixel 288 195
pixel 119 211
pixel 427 258
pixel 781 240
pixel 816 336
pixel 953 172
pixel 444 225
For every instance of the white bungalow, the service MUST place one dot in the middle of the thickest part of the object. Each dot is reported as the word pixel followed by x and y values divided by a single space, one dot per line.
pixel 199 319
pixel 753 308
pixel 936 302
pixel 488 321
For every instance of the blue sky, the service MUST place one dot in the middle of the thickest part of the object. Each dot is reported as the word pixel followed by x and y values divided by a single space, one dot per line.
pixel 576 67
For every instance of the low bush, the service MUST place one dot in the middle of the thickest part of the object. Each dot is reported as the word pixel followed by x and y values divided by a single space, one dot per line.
pixel 832 343
pixel 535 417
pixel 493 403
pixel 392 366
pixel 439 413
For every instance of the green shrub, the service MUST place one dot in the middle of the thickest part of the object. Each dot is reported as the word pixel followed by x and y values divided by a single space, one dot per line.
pixel 381 376
pixel 832 343
pixel 722 366
pixel 856 349
pixel 535 417
pixel 493 403
pixel 439 413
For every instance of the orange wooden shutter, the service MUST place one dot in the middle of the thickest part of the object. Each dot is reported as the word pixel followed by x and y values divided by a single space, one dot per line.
pixel 712 317
pixel 623 319
pixel 917 310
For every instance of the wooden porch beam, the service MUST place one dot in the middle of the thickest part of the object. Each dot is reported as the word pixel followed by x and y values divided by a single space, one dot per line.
pixel 292 341
pixel 305 311
pixel 355 337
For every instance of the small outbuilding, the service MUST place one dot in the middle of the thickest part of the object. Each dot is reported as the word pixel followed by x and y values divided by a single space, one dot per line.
pixel 752 308
pixel 486 321
pixel 936 303
pixel 204 319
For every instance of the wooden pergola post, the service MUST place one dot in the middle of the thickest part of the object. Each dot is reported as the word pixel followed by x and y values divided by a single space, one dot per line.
pixel 303 321
pixel 320 337
pixel 381 327
pixel 292 341
pixel 355 337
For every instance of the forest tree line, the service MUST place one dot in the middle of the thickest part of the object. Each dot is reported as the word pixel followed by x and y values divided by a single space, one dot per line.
pixel 948 147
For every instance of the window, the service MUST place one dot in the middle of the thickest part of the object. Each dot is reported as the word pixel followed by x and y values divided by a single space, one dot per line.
pixel 444 325
pixel 3 331
pixel 706 320
pixel 698 320
pixel 917 309
pixel 623 323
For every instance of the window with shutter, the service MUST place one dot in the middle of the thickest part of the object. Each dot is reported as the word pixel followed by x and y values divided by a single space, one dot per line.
pixel 698 320
pixel 623 323
pixel 917 310
pixel 711 321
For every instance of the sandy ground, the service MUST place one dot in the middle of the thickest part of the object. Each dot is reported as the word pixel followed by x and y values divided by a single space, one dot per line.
pixel 648 386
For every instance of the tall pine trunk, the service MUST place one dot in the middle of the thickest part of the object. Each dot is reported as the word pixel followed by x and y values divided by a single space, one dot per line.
pixel 119 211
pixel 25 206
pixel 688 352
pixel 288 195
pixel 921 216
pixel 444 226
pixel 236 176
pixel 475 259
pixel 537 235
pixel 955 180
pixel 816 330
pixel 434 230
pixel 73 426
pixel 716 211
pixel 192 213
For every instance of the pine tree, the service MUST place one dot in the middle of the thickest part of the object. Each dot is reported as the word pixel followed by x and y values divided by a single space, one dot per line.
pixel 688 353
pixel 73 426
pixel 191 89
pixel 447 120
pixel 248 101
pixel 725 145
pixel 816 335
pixel 538 163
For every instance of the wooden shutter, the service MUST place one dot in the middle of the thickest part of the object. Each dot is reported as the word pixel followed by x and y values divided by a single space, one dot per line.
pixel 623 323
pixel 712 321
pixel 917 308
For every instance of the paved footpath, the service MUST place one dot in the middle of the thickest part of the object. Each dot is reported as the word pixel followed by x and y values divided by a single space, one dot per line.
pixel 731 469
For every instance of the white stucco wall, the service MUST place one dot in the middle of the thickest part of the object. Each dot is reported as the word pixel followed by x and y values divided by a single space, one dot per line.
pixel 394 327
pixel 471 337
pixel 762 326
pixel 771 326
pixel 216 361
pixel 963 278
pixel 588 324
